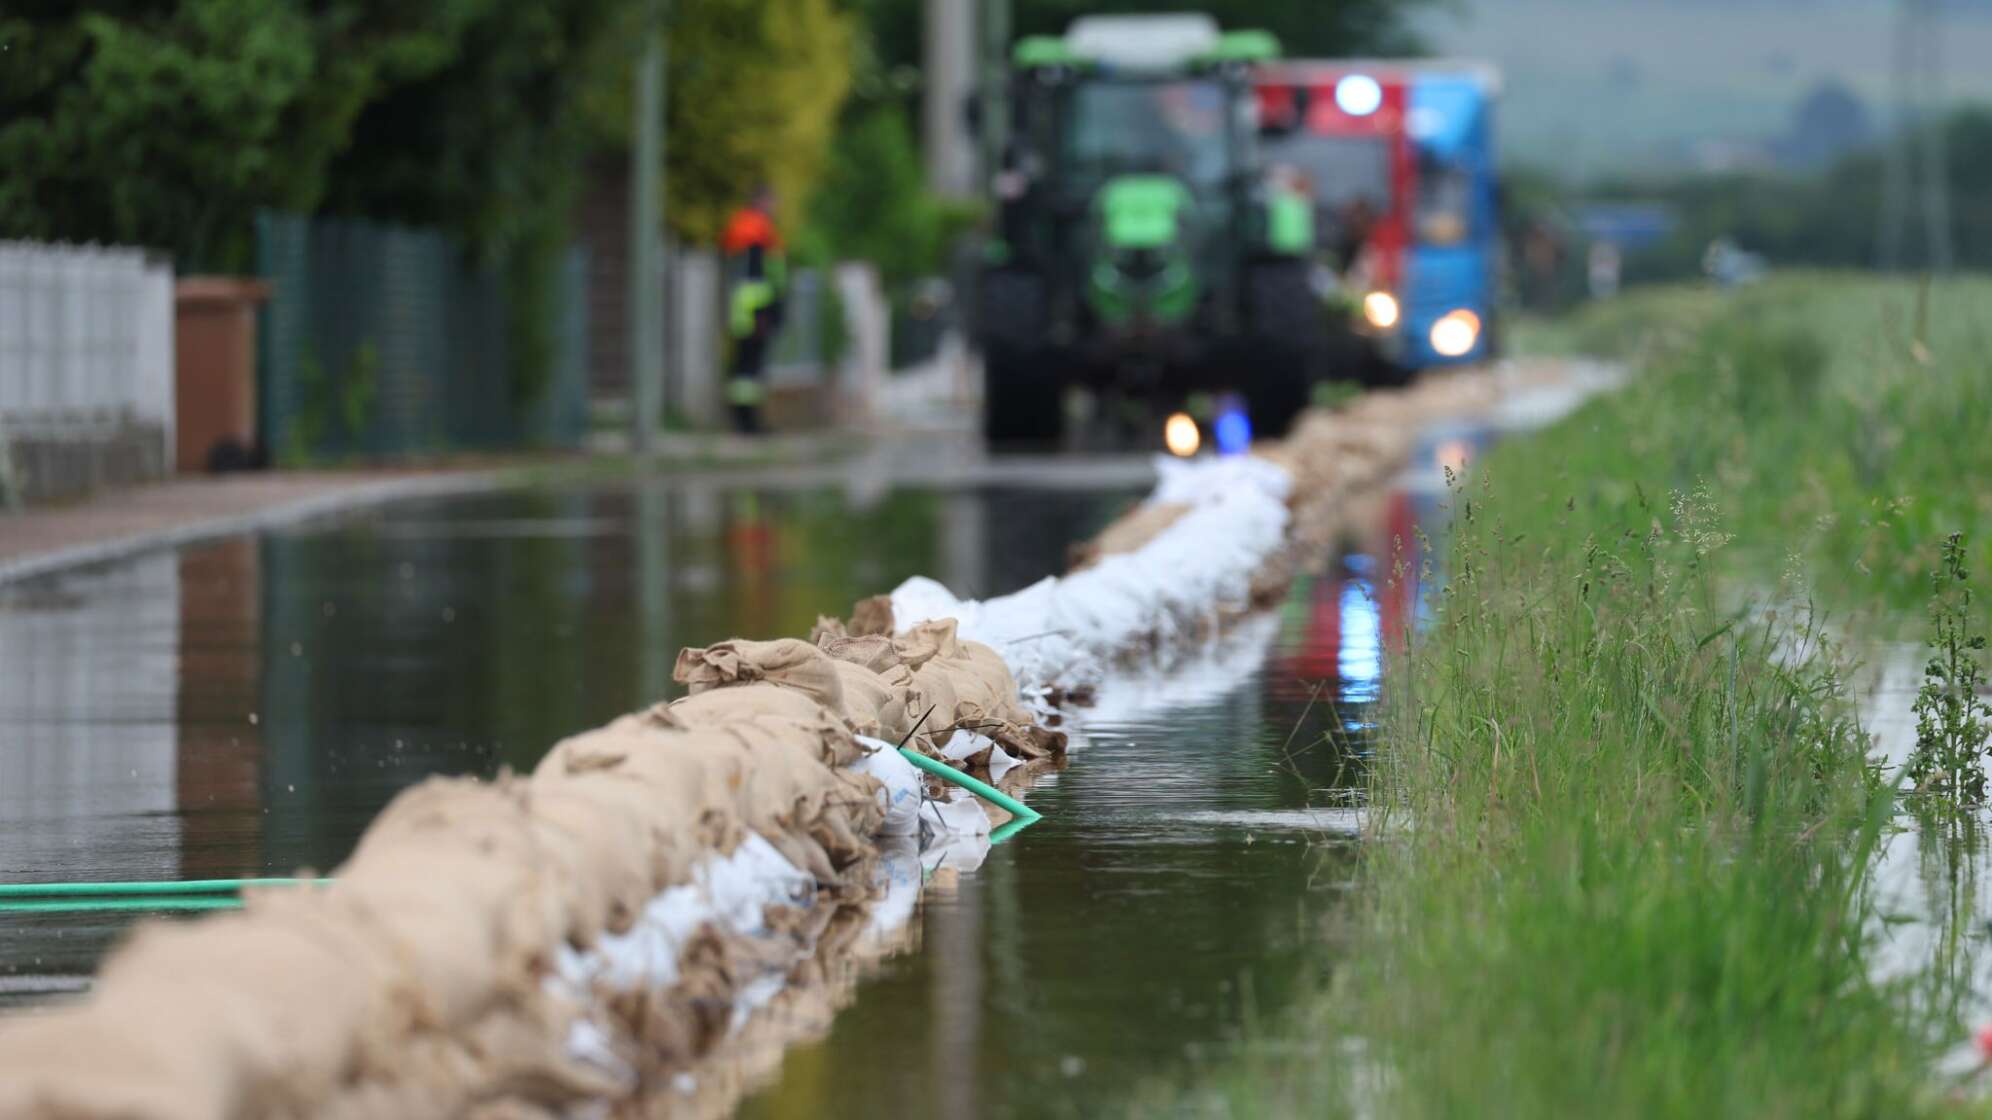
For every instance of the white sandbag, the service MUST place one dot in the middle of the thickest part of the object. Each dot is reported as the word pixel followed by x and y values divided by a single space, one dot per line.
pixel 901 795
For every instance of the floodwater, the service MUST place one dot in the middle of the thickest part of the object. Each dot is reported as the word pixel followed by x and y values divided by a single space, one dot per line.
pixel 244 707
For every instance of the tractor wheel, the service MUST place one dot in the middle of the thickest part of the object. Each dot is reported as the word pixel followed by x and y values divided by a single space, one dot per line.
pixel 1021 398
pixel 1022 402
pixel 1015 309
pixel 1290 336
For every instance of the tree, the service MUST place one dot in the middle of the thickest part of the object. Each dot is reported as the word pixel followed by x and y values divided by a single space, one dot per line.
pixel 492 145
pixel 755 89
pixel 168 125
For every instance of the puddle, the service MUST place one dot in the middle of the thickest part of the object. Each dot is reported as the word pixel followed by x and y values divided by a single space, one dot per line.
pixel 1928 889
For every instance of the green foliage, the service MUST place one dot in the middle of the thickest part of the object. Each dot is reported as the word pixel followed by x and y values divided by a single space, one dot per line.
pixel 873 203
pixel 755 89
pixel 1951 728
pixel 493 146
pixel 168 125
pixel 335 410
pixel 1823 220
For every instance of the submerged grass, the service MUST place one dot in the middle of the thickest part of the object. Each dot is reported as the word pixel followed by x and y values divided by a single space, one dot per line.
pixel 1624 826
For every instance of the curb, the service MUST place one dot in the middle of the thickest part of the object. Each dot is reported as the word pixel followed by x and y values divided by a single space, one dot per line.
pixel 281 513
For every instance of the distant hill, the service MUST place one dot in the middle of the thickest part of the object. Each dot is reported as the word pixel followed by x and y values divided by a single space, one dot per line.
pixel 1596 88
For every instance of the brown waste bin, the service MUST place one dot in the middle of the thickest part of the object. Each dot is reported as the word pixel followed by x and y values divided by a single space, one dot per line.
pixel 214 378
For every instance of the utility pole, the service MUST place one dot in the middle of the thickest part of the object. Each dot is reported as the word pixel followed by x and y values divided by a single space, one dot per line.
pixel 646 272
pixel 1916 170
pixel 950 68
pixel 995 87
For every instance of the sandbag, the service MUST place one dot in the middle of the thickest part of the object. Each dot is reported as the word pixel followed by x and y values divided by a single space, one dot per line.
pixel 872 616
pixel 873 651
pixel 919 644
pixel 870 706
pixel 715 707
pixel 786 661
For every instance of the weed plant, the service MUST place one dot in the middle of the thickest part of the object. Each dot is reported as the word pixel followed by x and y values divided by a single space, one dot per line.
pixel 1948 766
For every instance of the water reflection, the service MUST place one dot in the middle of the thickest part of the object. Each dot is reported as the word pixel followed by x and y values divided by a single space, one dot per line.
pixel 1174 894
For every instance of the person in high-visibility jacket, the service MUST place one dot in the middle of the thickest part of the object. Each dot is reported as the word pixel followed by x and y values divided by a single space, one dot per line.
pixel 759 271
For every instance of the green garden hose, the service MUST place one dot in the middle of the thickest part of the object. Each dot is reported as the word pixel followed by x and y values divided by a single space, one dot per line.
pixel 126 903
pixel 183 886
pixel 975 786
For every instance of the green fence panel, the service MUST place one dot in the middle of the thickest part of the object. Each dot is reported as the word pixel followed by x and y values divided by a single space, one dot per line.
pixel 382 340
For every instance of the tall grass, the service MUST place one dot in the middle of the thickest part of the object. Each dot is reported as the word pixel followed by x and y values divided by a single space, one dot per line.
pixel 1840 419
pixel 1624 819
pixel 1619 860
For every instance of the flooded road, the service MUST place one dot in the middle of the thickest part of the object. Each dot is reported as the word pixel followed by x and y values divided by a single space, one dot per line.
pixel 245 707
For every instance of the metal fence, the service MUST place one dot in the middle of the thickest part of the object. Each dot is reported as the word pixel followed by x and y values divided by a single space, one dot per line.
pixel 385 340
pixel 86 339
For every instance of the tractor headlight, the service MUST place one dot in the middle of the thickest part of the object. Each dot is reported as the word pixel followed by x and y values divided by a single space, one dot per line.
pixel 1455 333
pixel 1181 435
pixel 1380 308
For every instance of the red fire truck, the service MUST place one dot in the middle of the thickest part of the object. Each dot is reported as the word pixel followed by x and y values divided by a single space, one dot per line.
pixel 1398 158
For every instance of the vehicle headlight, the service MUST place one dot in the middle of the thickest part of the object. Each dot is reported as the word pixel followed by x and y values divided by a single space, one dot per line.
pixel 1181 435
pixel 1455 333
pixel 1380 308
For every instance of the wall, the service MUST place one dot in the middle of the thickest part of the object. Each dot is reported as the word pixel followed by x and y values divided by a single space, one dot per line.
pixel 86 369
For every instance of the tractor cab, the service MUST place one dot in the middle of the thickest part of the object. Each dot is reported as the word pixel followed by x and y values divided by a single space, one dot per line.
pixel 1135 135
pixel 1135 223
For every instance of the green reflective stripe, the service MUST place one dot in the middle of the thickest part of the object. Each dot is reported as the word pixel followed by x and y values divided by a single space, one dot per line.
pixel 1289 223
pixel 748 300
pixel 745 391
pixel 1044 50
pixel 1177 296
pixel 1142 211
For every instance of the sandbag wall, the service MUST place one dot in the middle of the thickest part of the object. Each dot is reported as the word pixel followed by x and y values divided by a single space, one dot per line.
pixel 1216 539
pixel 421 982
pixel 513 947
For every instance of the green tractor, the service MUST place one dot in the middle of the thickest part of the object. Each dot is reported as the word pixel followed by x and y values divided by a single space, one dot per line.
pixel 1141 253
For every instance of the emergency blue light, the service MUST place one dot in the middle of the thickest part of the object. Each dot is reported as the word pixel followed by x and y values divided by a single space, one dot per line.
pixel 1233 432
pixel 1358 95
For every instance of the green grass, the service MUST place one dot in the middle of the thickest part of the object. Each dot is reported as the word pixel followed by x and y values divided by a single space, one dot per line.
pixel 1840 420
pixel 1625 817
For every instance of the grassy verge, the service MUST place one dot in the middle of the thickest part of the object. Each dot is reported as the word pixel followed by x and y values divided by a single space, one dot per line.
pixel 1839 420
pixel 1623 826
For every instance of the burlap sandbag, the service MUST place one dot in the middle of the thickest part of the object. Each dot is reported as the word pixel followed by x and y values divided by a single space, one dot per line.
pixel 608 847
pixel 873 651
pixel 715 707
pixel 870 706
pixel 102 1060
pixel 831 743
pixel 933 638
pixel 787 661
pixel 452 874
pixel 872 616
